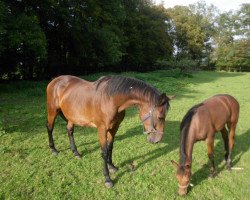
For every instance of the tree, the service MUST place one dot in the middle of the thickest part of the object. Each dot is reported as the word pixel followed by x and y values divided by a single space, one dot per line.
pixel 189 37
pixel 146 27
pixel 232 39
pixel 24 43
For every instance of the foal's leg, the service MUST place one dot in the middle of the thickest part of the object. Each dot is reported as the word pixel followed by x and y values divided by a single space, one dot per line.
pixel 50 126
pixel 224 134
pixel 232 128
pixel 70 130
pixel 210 147
pixel 102 133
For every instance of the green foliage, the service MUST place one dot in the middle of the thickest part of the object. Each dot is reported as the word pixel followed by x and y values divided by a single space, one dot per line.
pixel 187 33
pixel 146 29
pixel 3 30
pixel 184 64
pixel 42 39
pixel 234 56
pixel 29 171
pixel 79 37
pixel 232 38
pixel 24 43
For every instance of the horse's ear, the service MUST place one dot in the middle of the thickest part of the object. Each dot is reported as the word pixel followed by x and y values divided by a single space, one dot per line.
pixel 171 97
pixel 175 163
pixel 162 99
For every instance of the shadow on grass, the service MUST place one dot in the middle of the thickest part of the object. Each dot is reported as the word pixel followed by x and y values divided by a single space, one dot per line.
pixel 241 146
pixel 170 139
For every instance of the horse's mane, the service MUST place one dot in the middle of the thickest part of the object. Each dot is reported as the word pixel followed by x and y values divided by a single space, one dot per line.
pixel 184 129
pixel 116 84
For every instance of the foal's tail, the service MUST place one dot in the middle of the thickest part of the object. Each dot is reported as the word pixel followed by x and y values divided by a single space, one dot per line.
pixel 184 129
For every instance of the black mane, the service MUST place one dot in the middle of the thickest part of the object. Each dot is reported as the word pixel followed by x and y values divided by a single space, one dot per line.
pixel 184 129
pixel 125 85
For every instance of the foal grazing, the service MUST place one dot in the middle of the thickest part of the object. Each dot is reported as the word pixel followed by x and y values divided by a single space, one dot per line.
pixel 201 123
pixel 102 104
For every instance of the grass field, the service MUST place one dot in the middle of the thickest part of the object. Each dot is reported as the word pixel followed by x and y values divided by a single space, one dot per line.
pixel 28 170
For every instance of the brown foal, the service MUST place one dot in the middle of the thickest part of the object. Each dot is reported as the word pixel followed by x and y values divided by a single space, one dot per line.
pixel 201 123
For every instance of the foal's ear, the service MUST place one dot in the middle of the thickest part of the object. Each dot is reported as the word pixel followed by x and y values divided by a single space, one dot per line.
pixel 162 99
pixel 175 163
pixel 171 97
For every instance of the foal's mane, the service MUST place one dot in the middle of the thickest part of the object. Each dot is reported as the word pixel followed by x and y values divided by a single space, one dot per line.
pixel 184 129
pixel 116 84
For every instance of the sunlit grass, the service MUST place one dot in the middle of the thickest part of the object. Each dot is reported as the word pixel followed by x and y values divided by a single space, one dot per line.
pixel 29 171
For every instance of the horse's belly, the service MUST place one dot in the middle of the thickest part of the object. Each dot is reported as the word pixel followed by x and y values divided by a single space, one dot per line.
pixel 89 124
pixel 79 119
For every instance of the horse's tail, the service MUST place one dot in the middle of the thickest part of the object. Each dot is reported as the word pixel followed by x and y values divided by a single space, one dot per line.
pixel 184 130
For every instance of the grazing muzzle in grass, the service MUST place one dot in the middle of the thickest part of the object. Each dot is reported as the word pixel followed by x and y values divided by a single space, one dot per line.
pixel 183 176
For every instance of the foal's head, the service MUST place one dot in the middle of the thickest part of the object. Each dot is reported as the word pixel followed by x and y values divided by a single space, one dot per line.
pixel 183 175
pixel 153 117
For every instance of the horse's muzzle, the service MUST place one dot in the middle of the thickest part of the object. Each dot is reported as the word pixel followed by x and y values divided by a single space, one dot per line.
pixel 154 137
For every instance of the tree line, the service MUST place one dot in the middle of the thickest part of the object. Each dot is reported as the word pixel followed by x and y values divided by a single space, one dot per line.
pixel 44 38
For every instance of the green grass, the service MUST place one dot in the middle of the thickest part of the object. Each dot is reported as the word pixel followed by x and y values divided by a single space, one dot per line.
pixel 30 171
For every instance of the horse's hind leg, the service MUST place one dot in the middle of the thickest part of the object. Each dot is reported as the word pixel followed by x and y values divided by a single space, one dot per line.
pixel 50 126
pixel 210 147
pixel 70 130
pixel 224 134
pixel 232 127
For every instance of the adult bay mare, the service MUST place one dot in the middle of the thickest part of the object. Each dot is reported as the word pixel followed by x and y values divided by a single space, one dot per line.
pixel 201 122
pixel 102 104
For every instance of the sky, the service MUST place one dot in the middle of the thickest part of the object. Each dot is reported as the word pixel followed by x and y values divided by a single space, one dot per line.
pixel 222 5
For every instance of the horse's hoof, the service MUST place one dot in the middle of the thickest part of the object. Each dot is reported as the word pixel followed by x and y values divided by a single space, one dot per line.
pixel 77 155
pixel 112 169
pixel 54 152
pixel 229 168
pixel 109 184
pixel 212 175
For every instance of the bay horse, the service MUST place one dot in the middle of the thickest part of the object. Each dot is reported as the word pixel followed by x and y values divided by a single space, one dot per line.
pixel 102 104
pixel 201 122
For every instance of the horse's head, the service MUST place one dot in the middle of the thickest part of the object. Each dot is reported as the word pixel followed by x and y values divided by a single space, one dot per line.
pixel 153 118
pixel 183 176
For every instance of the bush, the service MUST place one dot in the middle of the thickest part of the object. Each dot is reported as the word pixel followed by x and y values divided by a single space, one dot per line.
pixel 184 64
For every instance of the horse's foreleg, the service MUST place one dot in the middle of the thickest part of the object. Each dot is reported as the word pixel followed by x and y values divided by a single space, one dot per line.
pixel 102 133
pixel 110 142
pixel 210 147
pixel 70 131
pixel 224 134
pixel 112 168
pixel 232 128
pixel 50 127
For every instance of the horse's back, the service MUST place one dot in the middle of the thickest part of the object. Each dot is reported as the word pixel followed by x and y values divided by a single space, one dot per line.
pixel 227 104
pixel 63 82
pixel 222 109
pixel 60 86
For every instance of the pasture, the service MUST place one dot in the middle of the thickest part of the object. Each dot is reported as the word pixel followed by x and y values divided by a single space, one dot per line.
pixel 30 171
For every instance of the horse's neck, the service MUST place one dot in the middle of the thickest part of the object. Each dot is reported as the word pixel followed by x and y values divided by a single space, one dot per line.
pixel 129 101
pixel 186 153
